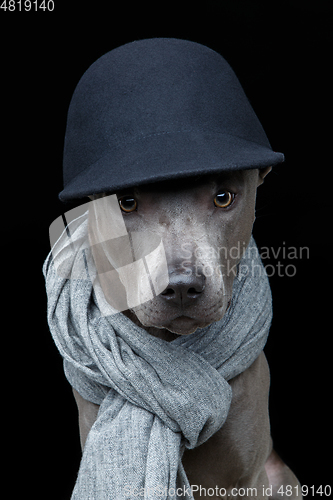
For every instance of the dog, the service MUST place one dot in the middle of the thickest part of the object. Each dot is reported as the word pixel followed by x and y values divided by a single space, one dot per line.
pixel 196 218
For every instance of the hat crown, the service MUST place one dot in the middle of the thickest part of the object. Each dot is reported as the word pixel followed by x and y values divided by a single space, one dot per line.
pixel 151 87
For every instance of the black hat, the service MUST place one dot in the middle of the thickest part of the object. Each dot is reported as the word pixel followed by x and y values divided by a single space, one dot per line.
pixel 158 109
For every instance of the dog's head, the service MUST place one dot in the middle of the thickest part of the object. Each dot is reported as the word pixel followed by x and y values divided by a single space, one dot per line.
pixel 205 224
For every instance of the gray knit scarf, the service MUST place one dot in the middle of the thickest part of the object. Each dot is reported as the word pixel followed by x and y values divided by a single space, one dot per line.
pixel 156 397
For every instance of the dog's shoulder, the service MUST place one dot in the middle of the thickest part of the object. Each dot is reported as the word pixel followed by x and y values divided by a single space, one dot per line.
pixel 253 382
pixel 242 445
pixel 87 415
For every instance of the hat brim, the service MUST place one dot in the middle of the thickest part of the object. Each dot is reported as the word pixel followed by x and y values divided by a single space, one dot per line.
pixel 167 156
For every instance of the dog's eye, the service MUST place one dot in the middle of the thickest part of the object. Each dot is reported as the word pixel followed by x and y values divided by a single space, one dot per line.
pixel 128 204
pixel 223 199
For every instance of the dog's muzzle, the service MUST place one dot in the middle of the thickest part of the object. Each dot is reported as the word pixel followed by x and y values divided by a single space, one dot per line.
pixel 184 289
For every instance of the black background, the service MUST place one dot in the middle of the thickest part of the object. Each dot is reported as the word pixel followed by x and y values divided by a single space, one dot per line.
pixel 281 52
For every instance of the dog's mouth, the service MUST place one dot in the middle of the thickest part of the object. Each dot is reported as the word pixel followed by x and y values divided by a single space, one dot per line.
pixel 180 325
pixel 184 321
pixel 185 325
pixel 166 329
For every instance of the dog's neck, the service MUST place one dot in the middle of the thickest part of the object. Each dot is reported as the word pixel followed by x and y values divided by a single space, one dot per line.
pixel 161 333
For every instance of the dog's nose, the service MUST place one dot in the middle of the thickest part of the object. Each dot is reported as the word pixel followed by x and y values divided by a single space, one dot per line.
pixel 184 289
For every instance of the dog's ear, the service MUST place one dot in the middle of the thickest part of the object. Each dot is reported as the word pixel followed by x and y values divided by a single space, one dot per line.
pixel 262 174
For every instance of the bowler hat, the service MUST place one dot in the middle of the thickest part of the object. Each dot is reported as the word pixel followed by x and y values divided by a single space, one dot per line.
pixel 158 109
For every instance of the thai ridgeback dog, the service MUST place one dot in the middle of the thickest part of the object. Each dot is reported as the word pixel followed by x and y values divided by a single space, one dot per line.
pixel 190 216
